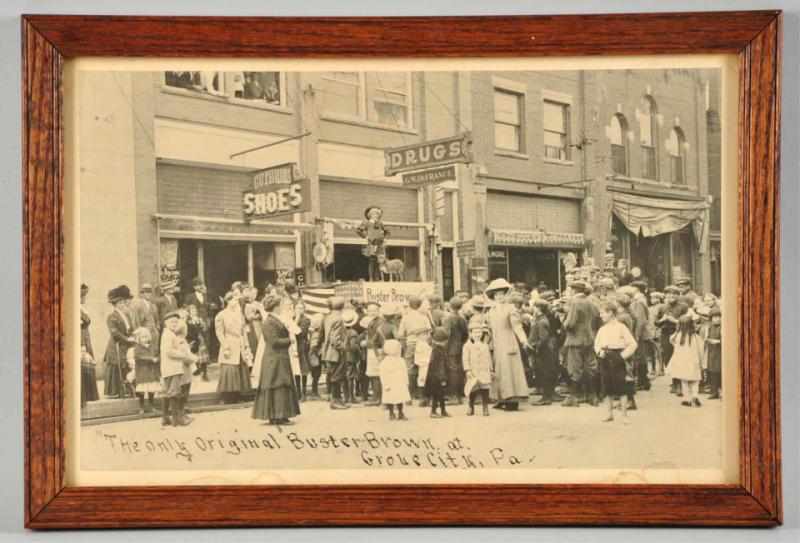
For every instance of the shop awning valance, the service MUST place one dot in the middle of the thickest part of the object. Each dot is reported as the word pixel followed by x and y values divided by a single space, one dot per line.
pixel 536 238
pixel 655 216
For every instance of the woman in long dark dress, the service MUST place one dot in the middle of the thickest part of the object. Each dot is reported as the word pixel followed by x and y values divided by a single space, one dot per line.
pixel 276 399
pixel 120 340
pixel 89 392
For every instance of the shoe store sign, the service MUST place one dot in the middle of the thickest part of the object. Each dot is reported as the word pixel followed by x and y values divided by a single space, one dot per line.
pixel 275 192
pixel 420 156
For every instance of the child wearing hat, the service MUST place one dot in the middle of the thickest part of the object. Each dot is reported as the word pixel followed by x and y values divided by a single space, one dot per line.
pixel 394 380
pixel 373 230
pixel 146 369
pixel 176 357
pixel 436 379
pixel 478 367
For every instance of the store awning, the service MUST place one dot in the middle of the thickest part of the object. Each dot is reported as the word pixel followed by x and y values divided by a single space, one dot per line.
pixel 655 216
pixel 536 238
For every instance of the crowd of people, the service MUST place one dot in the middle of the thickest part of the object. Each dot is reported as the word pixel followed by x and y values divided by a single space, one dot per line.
pixel 603 339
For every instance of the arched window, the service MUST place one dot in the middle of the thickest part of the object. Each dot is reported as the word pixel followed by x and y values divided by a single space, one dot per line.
pixel 676 146
pixel 648 137
pixel 618 134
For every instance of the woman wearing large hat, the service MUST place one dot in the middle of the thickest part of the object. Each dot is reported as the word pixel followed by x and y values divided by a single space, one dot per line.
pixel 120 328
pixel 505 324
pixel 276 398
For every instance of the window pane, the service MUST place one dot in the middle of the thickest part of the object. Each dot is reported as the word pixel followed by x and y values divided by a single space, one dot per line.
pixel 648 162
pixel 260 86
pixel 674 143
pixel 388 81
pixel 554 117
pixel 506 107
pixel 677 170
pixel 388 113
pixel 553 139
pixel 341 98
pixel 348 77
pixel 619 160
pixel 506 136
pixel 615 134
pixel 183 80
pixel 387 98
pixel 645 129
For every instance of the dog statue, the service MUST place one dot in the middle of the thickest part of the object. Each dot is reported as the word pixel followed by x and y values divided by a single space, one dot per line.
pixel 394 268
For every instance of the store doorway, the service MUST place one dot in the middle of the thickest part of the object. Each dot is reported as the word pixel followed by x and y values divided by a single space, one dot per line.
pixel 533 266
pixel 652 256
pixel 225 262
pixel 448 273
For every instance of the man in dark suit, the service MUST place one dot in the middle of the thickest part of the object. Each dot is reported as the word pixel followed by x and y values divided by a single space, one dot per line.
pixel 579 344
pixel 199 299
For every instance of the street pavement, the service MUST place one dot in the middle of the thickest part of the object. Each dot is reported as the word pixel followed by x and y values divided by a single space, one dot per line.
pixel 660 435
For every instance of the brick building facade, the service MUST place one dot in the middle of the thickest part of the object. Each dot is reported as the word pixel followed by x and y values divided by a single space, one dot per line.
pixel 563 162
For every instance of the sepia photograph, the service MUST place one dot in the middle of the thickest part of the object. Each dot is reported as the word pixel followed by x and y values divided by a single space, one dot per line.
pixel 487 273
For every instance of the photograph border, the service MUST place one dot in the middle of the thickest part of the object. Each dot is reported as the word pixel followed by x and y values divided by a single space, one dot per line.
pixel 49 41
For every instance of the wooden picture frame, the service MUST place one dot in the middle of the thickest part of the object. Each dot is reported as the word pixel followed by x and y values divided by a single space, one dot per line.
pixel 47 41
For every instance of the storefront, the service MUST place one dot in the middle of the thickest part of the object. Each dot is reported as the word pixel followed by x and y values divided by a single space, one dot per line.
pixel 661 236
pixel 343 203
pixel 529 235
pixel 202 232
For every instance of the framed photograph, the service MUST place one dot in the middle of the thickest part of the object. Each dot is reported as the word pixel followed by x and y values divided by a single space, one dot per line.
pixel 402 271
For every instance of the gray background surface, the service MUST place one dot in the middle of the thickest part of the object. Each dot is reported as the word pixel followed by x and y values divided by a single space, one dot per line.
pixel 11 459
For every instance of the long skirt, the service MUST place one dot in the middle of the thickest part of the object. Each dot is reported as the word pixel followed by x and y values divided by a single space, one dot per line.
pixel 89 391
pixel 234 378
pixel 276 403
pixel 114 386
pixel 455 375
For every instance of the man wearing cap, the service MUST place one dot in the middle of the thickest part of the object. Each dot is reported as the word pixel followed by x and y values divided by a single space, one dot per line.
pixel 199 299
pixel 144 314
pixel 579 344
pixel 373 230
pixel 684 285
pixel 642 334
pixel 333 344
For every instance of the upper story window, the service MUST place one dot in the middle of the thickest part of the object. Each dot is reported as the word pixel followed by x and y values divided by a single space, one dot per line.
pixel 556 130
pixel 676 146
pixel 618 135
pixel 254 87
pixel 648 138
pixel 508 126
pixel 382 98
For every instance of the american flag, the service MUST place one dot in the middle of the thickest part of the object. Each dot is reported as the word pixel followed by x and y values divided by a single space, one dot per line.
pixel 316 296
